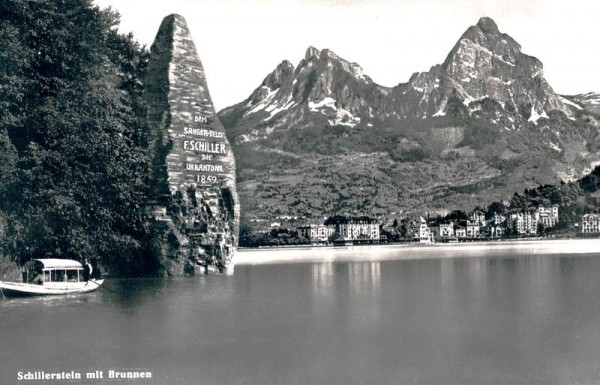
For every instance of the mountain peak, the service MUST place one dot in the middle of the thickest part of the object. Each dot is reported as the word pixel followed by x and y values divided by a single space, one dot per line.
pixel 283 72
pixel 312 53
pixel 487 25
pixel 284 65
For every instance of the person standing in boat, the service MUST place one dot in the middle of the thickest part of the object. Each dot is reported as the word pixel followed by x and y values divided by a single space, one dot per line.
pixel 87 270
pixel 95 272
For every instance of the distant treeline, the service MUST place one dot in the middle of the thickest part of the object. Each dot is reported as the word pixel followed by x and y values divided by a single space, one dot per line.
pixel 574 199
pixel 274 237
pixel 73 166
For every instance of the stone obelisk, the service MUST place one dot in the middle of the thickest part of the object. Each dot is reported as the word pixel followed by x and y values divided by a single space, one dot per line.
pixel 193 168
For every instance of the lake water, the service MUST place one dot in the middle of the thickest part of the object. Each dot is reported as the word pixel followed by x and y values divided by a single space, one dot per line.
pixel 504 319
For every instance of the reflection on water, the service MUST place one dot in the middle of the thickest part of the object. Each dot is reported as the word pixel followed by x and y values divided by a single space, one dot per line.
pixel 364 277
pixel 48 302
pixel 512 319
pixel 322 277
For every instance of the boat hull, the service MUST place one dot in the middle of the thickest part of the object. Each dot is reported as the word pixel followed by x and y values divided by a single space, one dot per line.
pixel 15 289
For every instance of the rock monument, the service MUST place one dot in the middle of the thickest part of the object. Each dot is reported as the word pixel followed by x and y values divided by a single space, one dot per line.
pixel 195 204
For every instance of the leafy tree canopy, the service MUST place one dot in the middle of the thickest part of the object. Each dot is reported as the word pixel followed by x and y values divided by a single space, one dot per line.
pixel 72 138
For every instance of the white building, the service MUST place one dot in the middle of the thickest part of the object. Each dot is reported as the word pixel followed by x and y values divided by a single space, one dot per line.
pixel 547 215
pixel 477 217
pixel 497 231
pixel 354 228
pixel 424 232
pixel 460 231
pixel 499 219
pixel 524 222
pixel 590 223
pixel 473 229
pixel 316 233
pixel 446 230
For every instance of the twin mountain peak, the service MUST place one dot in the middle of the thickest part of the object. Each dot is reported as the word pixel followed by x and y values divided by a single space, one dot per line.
pixel 479 126
pixel 485 64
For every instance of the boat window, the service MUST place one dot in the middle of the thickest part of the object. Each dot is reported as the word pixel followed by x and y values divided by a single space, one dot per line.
pixel 34 276
pixel 47 276
pixel 72 275
pixel 32 272
pixel 58 275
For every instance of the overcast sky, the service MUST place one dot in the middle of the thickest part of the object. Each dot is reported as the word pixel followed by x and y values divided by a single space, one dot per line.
pixel 242 41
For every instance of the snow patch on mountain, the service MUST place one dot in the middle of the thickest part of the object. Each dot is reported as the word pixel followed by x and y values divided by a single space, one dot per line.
pixel 274 110
pixel 345 118
pixel 264 102
pixel 567 101
pixel 535 116
pixel 358 72
pixel 441 112
pixel 472 47
pixel 327 102
pixel 341 117
pixel 555 147
pixel 592 98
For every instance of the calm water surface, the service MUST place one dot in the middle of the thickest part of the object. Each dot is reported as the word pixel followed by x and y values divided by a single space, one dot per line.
pixel 477 320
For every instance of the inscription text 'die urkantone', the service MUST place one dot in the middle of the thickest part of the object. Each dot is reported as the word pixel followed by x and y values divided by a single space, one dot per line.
pixel 199 141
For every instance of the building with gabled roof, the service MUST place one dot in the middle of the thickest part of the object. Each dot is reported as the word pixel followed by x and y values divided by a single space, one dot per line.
pixel 354 228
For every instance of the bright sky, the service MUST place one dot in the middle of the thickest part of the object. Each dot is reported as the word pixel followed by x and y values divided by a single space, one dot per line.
pixel 242 41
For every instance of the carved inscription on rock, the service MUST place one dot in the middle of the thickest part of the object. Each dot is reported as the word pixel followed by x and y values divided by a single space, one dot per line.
pixel 193 167
pixel 204 151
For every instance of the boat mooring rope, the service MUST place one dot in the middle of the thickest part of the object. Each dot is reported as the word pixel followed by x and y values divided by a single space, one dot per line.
pixel 103 287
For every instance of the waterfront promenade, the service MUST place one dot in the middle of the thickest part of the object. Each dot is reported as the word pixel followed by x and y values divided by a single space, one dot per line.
pixel 523 247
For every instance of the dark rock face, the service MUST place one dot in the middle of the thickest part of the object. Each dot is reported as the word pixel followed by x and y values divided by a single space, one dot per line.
pixel 486 63
pixel 591 101
pixel 193 167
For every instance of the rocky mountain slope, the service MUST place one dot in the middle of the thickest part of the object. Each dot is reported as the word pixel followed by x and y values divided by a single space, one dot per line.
pixel 591 101
pixel 323 138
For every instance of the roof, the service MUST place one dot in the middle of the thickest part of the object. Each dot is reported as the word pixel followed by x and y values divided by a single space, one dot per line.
pixel 342 219
pixel 56 263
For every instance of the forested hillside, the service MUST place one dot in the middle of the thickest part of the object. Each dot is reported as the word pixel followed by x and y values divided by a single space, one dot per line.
pixel 72 162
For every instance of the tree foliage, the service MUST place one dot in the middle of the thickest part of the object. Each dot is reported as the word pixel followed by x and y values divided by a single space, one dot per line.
pixel 73 129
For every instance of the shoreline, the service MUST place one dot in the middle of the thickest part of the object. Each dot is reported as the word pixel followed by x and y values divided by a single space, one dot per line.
pixel 382 252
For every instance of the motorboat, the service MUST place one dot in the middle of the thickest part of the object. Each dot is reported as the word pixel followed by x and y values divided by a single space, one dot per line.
pixel 51 276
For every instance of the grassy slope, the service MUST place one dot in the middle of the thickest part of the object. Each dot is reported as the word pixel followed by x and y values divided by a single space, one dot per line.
pixel 410 165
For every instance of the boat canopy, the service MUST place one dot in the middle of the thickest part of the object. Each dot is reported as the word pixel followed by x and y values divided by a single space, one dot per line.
pixel 56 263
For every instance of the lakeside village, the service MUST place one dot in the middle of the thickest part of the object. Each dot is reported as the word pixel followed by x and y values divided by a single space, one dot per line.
pixel 458 226
pixel 566 210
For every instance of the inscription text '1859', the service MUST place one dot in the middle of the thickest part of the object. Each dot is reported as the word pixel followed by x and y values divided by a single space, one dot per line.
pixel 207 179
